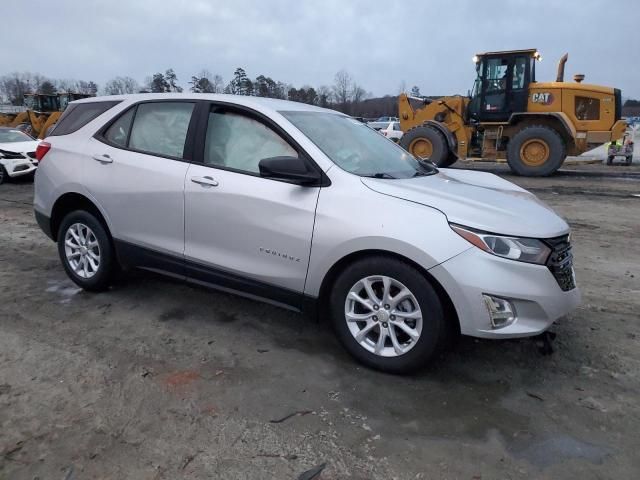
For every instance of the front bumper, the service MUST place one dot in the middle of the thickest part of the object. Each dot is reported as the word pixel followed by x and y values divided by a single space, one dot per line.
pixel 19 166
pixel 532 290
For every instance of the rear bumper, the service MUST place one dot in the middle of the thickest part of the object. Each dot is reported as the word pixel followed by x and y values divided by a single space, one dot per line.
pixel 44 222
pixel 532 289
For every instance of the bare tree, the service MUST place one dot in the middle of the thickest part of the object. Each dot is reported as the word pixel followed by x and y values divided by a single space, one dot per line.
pixel 66 85
pixel 218 84
pixel 342 88
pixel 121 86
pixel 324 96
pixel 358 93
pixel 14 86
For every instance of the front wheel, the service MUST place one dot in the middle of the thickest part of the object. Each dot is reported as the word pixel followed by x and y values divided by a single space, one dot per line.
pixel 387 315
pixel 86 251
pixel 4 176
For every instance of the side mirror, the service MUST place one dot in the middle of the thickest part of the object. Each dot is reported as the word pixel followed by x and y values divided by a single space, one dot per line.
pixel 292 169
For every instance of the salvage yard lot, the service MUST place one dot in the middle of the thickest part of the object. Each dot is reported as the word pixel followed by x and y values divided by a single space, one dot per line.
pixel 159 380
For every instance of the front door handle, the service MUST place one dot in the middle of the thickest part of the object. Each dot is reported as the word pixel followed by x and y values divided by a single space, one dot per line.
pixel 206 181
pixel 104 158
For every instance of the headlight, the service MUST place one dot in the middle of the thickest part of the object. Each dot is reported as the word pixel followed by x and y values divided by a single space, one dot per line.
pixel 528 250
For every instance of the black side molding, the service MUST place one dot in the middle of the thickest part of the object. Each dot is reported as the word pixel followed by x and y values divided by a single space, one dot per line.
pixel 44 223
pixel 147 259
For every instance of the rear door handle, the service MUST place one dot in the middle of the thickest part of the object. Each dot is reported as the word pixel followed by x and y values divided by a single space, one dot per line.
pixel 206 181
pixel 104 158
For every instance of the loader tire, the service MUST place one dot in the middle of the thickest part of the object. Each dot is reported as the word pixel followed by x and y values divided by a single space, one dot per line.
pixel 426 143
pixel 536 151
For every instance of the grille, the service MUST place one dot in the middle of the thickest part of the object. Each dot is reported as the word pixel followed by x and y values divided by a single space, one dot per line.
pixel 560 262
pixel 31 154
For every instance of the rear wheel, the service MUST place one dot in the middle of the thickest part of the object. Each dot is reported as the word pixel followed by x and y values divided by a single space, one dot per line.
pixel 4 176
pixel 536 151
pixel 387 315
pixel 86 251
pixel 426 143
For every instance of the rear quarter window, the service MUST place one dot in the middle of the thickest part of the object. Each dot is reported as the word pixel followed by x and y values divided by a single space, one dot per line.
pixel 78 115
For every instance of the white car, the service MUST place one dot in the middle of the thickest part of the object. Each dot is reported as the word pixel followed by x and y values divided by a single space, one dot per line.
pixel 392 131
pixel 17 154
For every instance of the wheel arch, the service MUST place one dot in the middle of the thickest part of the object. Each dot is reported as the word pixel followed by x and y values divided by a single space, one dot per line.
pixel 69 202
pixel 448 135
pixel 556 120
pixel 340 265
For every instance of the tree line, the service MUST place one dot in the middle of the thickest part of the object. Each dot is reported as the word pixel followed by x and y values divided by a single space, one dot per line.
pixel 14 86
pixel 345 94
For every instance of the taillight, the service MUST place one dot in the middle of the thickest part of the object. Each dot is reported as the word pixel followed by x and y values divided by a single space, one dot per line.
pixel 42 149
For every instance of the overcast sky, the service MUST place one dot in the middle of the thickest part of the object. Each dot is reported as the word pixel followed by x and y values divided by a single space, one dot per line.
pixel 380 43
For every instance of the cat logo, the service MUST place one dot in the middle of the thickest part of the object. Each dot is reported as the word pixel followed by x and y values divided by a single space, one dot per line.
pixel 543 98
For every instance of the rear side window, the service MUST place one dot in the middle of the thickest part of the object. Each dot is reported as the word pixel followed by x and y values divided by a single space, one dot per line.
pixel 161 128
pixel 78 115
pixel 587 108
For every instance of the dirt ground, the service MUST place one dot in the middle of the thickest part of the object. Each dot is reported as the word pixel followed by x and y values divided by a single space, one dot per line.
pixel 159 380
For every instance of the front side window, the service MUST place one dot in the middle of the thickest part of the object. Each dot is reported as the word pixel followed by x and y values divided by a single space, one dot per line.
pixel 239 142
pixel 587 108
pixel 161 128
pixel 355 147
pixel 496 76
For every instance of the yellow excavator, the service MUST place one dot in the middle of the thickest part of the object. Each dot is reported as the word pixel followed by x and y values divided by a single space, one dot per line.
pixel 41 114
pixel 509 115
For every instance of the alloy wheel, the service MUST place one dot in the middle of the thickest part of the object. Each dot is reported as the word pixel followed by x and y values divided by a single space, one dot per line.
pixel 82 250
pixel 383 316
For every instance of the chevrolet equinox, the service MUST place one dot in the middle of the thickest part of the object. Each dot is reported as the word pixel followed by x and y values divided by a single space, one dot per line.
pixel 302 207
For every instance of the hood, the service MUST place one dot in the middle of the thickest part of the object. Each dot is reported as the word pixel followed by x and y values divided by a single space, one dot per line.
pixel 479 200
pixel 20 147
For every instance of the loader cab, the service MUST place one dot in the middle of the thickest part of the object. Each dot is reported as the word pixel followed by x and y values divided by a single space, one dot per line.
pixel 67 97
pixel 41 102
pixel 502 84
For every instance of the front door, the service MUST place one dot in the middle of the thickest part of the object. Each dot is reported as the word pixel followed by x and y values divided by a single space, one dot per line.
pixel 494 89
pixel 502 88
pixel 243 231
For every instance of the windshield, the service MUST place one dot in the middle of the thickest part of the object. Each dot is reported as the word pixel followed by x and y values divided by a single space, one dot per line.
pixel 13 136
pixel 357 148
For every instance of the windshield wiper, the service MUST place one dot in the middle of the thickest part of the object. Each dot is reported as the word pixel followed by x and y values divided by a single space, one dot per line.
pixel 381 175
pixel 425 170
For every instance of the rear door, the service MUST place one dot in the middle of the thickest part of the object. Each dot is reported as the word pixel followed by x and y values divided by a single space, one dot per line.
pixel 244 231
pixel 136 173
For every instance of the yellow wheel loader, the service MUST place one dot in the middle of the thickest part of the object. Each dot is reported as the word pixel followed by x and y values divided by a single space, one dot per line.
pixel 509 115
pixel 42 113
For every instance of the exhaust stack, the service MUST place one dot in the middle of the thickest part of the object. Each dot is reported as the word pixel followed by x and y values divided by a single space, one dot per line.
pixel 563 60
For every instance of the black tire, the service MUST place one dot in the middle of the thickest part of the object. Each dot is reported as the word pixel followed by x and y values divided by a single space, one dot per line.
pixel 609 160
pixel 556 151
pixel 440 149
pixel 4 176
pixel 629 160
pixel 433 333
pixel 107 266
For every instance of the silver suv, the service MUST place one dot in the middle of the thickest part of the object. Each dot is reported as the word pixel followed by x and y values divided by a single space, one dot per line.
pixel 305 208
